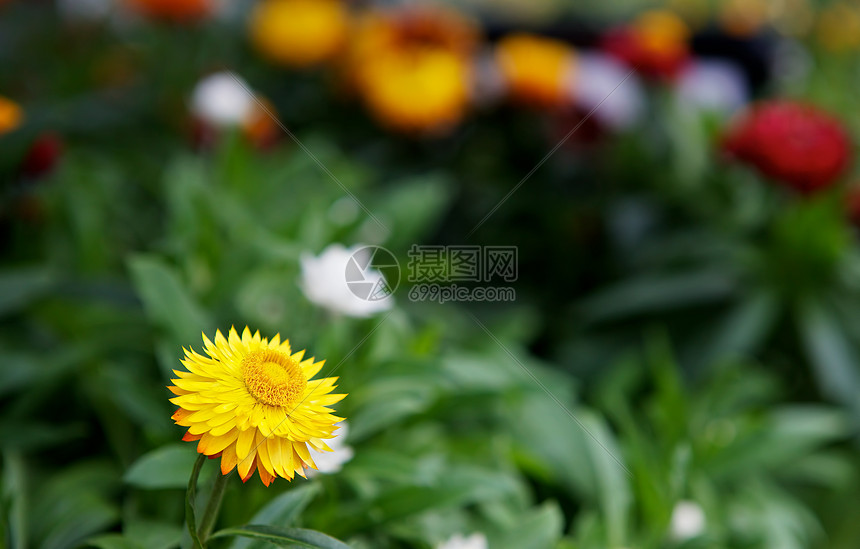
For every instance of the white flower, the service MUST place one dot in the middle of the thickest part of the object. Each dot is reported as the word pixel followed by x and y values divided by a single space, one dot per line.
pixel 324 281
pixel 221 101
pixel 84 10
pixel 475 541
pixel 688 521
pixel 228 10
pixel 332 462
pixel 716 86
pixel 488 84
pixel 791 64
pixel 598 79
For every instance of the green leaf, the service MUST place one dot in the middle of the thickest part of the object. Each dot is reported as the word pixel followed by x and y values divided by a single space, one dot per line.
pixel 284 537
pixel 20 370
pixel 166 299
pixel 481 372
pixel 113 541
pixel 14 505
pixel 458 487
pixel 153 535
pixel 281 511
pixel 739 333
pixel 74 505
pixel 137 398
pixel 165 467
pixel 582 453
pixel 658 293
pixel 768 512
pixel 538 529
pixel 832 355
pixel 20 287
pixel 391 465
pixel 412 207
pixel 396 407
pixel 800 428
pixel 786 435
pixel 20 434
pixel 830 470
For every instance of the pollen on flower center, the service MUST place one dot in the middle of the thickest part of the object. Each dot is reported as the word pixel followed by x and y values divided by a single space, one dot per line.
pixel 273 377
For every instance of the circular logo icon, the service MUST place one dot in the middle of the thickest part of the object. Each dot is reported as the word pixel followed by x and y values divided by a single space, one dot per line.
pixel 372 273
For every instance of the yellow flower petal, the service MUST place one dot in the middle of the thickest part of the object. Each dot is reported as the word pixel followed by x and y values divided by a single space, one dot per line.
pixel 244 443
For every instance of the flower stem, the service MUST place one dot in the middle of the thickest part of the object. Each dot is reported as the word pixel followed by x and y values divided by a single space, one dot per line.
pixel 190 502
pixel 212 507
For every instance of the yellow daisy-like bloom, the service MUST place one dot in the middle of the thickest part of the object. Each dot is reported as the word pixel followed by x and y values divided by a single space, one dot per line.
pixel 535 69
pixel 299 33
pixel 11 115
pixel 253 404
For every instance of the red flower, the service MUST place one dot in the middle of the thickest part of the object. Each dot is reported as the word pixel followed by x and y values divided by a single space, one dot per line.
pixel 798 145
pixel 174 10
pixel 42 156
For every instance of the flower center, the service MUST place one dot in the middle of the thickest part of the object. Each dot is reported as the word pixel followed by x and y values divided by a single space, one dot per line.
pixel 273 377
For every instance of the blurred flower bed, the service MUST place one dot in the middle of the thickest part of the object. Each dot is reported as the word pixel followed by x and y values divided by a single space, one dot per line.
pixel 679 367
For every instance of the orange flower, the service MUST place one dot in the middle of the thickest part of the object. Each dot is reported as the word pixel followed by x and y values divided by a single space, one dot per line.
pixel 11 115
pixel 662 33
pixel 412 67
pixel 657 43
pixel 174 10
pixel 299 33
pixel 536 69
pixel 260 128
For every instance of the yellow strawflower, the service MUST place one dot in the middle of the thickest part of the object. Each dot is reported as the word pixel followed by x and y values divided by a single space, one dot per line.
pixel 413 67
pixel 661 32
pixel 299 33
pixel 838 27
pixel 536 70
pixel 744 17
pixel 417 90
pixel 253 404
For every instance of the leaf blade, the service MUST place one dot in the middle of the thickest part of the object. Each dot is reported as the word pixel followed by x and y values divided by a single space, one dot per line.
pixel 284 537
